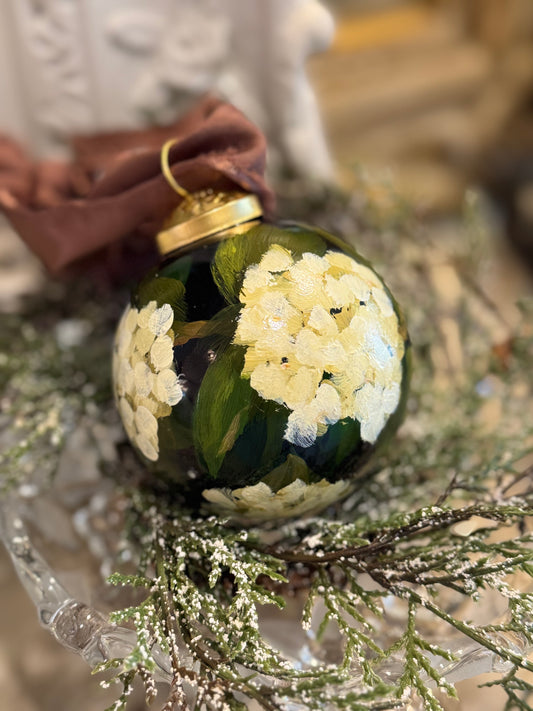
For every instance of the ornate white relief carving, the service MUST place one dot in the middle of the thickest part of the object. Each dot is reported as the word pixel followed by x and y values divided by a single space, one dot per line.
pixel 57 70
pixel 254 54
pixel 187 58
pixel 275 76
pixel 84 65
pixel 137 31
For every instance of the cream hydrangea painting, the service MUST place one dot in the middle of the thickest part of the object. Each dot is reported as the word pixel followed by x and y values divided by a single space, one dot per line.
pixel 323 339
pixel 145 380
pixel 261 373
pixel 260 503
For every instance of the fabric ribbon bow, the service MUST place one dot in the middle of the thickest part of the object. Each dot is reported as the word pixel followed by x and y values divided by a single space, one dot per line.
pixel 114 187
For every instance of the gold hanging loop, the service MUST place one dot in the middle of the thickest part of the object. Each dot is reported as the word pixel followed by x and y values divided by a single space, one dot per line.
pixel 165 169
pixel 206 215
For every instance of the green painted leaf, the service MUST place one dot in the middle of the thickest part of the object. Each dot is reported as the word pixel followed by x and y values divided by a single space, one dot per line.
pixel 188 331
pixel 332 240
pixel 292 468
pixel 173 435
pixel 259 448
pixel 220 329
pixel 223 407
pixel 235 255
pixel 162 290
pixel 178 269
pixel 275 419
pixel 334 450
pixel 347 434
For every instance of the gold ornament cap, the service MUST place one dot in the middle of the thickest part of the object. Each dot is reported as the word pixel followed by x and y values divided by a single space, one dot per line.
pixel 208 216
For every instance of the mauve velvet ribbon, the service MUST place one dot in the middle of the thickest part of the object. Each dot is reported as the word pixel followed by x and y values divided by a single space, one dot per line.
pixel 114 187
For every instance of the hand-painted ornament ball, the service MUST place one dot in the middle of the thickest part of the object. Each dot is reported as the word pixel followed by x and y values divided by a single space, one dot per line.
pixel 263 369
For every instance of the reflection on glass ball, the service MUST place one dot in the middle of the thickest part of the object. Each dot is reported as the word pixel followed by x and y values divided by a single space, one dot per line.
pixel 266 368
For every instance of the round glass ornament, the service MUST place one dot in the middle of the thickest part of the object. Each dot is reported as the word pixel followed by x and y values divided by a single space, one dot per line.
pixel 259 367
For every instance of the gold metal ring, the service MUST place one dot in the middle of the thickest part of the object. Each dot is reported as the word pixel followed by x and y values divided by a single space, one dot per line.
pixel 219 219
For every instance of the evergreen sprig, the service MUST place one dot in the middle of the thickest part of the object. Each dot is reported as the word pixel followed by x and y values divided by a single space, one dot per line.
pixel 209 580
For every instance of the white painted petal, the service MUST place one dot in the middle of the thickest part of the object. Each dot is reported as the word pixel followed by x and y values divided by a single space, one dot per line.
pixel 308 349
pixel 327 493
pixel 382 299
pixel 335 358
pixel 305 281
pixel 250 326
pixel 123 341
pixel 143 316
pixel 368 275
pixel 270 381
pixel 128 379
pixel 305 296
pixel 363 320
pixel 221 497
pixel 341 261
pixel 337 292
pixel 278 313
pixel 149 403
pixel 357 366
pixel 277 259
pixel 162 353
pixel 255 280
pixel 327 404
pixel 161 320
pixel 367 401
pixel 148 447
pixel 143 377
pixel 292 494
pixel 124 377
pixel 314 263
pixel 275 345
pixel 276 301
pixel 121 367
pixel 322 321
pixel 145 422
pixel 390 328
pixel 358 288
pixel 371 429
pixel 378 350
pixel 257 497
pixel 126 413
pixel 301 429
pixel 142 341
pixel 167 388
pixel 391 398
pixel 130 319
pixel 369 411
pixel 301 387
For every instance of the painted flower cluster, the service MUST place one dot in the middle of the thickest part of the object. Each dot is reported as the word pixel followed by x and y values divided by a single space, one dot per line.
pixel 146 383
pixel 322 338
pixel 260 503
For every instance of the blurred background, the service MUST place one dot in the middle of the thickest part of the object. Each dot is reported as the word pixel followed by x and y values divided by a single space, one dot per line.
pixel 430 97
pixel 439 93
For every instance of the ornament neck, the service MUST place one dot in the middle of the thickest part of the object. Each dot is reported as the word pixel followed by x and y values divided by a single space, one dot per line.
pixel 208 216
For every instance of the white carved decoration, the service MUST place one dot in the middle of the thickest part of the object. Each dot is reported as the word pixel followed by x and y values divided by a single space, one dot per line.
pixel 79 65
pixel 187 58
pixel 136 31
pixel 53 73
